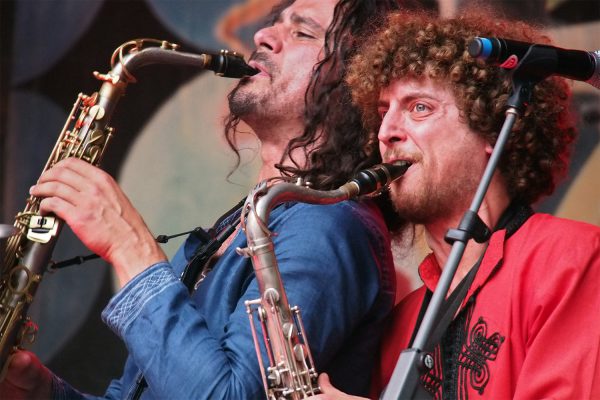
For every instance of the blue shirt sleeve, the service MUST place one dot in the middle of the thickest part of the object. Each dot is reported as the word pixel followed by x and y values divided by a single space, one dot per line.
pixel 336 266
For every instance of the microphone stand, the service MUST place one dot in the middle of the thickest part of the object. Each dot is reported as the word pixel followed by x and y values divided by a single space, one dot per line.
pixel 535 66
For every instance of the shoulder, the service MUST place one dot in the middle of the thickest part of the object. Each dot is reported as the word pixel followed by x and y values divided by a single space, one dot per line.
pixel 550 224
pixel 350 235
pixel 347 208
pixel 552 249
pixel 346 216
pixel 547 230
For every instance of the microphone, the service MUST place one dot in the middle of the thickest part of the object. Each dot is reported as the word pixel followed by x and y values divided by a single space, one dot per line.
pixel 573 64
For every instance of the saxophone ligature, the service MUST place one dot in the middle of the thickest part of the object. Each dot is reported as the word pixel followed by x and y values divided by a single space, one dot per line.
pixel 291 373
pixel 85 135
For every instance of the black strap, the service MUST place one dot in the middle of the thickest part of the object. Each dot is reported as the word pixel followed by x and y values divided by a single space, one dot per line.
pixel 513 218
pixel 198 265
pixel 451 306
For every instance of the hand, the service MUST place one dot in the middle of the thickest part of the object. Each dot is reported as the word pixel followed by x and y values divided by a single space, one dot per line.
pixel 94 206
pixel 26 378
pixel 331 393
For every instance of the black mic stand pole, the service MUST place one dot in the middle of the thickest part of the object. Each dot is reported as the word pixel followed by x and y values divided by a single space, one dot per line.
pixel 405 380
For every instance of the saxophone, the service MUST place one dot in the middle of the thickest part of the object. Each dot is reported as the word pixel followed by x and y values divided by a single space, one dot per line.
pixel 85 135
pixel 291 373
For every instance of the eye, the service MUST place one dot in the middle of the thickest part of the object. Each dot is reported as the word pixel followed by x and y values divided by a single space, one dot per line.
pixel 421 107
pixel 381 112
pixel 302 35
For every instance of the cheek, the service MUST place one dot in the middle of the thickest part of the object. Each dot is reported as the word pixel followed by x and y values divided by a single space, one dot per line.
pixel 382 148
pixel 302 63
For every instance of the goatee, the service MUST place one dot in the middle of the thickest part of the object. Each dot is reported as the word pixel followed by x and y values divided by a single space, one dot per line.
pixel 241 102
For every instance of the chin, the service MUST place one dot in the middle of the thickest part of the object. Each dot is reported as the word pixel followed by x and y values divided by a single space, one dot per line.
pixel 411 207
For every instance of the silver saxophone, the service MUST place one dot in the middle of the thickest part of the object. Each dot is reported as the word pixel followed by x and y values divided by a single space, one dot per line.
pixel 291 372
pixel 85 135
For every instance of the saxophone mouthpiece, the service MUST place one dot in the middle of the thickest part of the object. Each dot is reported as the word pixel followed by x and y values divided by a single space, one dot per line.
pixel 229 64
pixel 373 180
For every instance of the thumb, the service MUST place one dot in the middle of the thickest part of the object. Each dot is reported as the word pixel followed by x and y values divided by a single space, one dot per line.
pixel 26 373
pixel 331 392
pixel 327 387
pixel 325 383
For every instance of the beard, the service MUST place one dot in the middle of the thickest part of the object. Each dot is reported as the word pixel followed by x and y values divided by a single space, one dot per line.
pixel 241 102
pixel 430 202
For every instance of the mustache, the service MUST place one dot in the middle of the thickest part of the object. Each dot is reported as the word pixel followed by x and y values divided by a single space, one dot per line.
pixel 392 154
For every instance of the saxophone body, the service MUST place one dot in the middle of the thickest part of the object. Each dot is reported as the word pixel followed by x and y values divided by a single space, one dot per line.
pixel 85 135
pixel 291 373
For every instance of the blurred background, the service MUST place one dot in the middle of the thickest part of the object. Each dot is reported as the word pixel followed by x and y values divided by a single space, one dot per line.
pixel 168 152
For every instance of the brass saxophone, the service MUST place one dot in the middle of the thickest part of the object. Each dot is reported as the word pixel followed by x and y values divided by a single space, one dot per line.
pixel 291 373
pixel 85 135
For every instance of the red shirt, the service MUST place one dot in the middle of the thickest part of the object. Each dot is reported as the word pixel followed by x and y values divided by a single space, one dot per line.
pixel 530 322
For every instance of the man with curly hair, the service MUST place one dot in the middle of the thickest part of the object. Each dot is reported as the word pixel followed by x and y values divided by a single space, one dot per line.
pixel 528 326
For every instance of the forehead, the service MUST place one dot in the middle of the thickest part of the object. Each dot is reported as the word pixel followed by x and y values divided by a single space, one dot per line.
pixel 321 11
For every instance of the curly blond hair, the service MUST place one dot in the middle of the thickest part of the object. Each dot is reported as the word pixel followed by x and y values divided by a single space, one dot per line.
pixel 419 45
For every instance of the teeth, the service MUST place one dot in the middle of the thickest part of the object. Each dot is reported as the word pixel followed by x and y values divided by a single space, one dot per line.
pixel 402 163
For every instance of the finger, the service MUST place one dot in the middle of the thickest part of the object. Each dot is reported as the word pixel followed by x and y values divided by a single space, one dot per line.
pixel 57 206
pixel 324 382
pixel 56 189
pixel 90 182
pixel 88 178
pixel 76 164
pixel 65 175
pixel 84 169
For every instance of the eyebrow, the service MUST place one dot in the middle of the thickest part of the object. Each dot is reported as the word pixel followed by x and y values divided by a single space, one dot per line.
pixel 408 98
pixel 311 23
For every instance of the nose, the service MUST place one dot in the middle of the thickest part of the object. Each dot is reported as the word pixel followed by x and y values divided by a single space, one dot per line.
pixel 268 38
pixel 392 129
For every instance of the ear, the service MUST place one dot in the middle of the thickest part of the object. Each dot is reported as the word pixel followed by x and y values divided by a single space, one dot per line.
pixel 488 149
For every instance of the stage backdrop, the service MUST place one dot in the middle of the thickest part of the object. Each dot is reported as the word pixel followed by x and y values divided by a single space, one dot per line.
pixel 168 152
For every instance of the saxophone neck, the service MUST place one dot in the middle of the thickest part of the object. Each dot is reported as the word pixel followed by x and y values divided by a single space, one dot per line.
pixel 369 182
pixel 135 54
pixel 266 196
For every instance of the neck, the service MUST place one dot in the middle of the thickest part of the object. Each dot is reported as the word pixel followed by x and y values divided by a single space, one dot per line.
pixel 274 137
pixel 492 207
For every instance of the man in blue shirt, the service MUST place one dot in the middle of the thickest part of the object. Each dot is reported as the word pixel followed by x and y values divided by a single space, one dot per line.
pixel 335 260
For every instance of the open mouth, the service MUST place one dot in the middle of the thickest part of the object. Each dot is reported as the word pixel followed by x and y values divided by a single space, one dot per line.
pixel 260 67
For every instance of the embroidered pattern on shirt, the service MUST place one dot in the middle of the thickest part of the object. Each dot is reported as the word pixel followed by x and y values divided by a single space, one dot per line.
pixel 151 282
pixel 463 358
pixel 475 356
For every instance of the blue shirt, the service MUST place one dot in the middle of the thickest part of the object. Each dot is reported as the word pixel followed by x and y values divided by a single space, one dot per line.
pixel 336 266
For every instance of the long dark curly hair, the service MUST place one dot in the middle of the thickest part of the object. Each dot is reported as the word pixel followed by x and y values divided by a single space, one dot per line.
pixel 418 44
pixel 333 130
